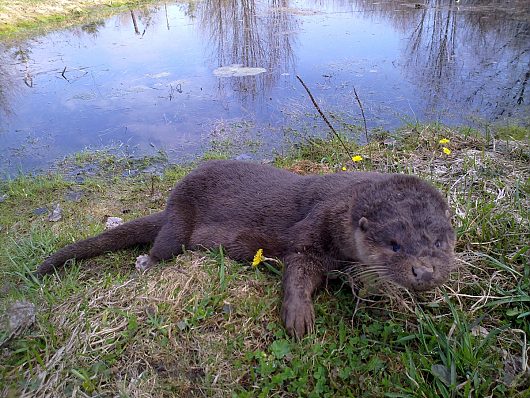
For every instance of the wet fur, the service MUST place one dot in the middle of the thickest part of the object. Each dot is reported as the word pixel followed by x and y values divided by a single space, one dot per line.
pixel 314 224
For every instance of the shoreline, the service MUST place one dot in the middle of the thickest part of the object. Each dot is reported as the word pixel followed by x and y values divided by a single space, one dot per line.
pixel 162 159
pixel 20 18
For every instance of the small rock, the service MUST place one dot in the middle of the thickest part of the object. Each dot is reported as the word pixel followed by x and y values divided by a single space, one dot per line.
pixel 40 211
pixel 113 222
pixel 479 331
pixel 57 213
pixel 3 197
pixel 142 263
pixel 182 325
pixel 20 316
pixel 73 196
pixel 228 308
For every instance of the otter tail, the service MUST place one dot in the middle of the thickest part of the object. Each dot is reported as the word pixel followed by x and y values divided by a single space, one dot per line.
pixel 136 232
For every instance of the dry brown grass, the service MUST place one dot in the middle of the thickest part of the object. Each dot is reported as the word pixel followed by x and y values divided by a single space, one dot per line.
pixel 15 11
pixel 167 348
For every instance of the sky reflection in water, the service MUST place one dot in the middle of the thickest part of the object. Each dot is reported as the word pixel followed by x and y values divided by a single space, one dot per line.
pixel 144 79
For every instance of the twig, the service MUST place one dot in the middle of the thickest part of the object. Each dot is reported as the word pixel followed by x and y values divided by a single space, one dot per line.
pixel 364 120
pixel 63 74
pixel 324 117
pixel 362 113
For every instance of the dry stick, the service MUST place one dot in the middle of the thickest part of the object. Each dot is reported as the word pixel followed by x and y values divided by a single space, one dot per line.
pixel 362 113
pixel 324 117
pixel 364 120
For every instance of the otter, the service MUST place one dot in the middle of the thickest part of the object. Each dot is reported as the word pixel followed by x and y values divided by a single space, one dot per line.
pixel 398 226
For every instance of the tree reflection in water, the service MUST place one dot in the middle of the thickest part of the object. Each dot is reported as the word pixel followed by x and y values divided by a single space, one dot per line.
pixel 474 53
pixel 251 33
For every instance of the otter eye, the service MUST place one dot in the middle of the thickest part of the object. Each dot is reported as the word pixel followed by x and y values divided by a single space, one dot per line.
pixel 396 247
pixel 437 244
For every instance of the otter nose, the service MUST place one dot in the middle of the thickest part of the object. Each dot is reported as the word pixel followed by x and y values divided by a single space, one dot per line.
pixel 422 272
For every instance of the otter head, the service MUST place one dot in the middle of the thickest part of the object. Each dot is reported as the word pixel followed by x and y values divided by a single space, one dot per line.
pixel 403 233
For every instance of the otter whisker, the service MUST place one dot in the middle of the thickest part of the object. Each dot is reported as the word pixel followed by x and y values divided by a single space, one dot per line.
pixel 360 263
pixel 366 266
pixel 366 274
pixel 375 270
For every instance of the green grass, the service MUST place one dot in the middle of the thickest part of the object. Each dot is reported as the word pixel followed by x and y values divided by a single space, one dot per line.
pixel 28 17
pixel 204 325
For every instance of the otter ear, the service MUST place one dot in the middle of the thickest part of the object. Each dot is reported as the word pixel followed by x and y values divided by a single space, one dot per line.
pixel 363 224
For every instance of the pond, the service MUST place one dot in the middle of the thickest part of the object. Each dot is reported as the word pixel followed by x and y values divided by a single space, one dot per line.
pixel 187 78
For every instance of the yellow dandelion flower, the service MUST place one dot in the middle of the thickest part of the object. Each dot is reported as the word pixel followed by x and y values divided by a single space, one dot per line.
pixel 446 150
pixel 258 258
pixel 344 168
pixel 357 158
pixel 444 141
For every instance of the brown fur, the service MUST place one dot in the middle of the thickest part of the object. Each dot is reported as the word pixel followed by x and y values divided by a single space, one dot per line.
pixel 394 225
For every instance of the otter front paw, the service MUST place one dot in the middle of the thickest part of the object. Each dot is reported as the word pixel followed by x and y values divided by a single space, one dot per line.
pixel 143 263
pixel 298 316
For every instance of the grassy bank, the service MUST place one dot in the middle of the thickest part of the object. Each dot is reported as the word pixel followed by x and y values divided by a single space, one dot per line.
pixel 203 325
pixel 22 16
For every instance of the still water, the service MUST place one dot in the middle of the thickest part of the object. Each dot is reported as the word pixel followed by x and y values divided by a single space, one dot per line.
pixel 149 79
